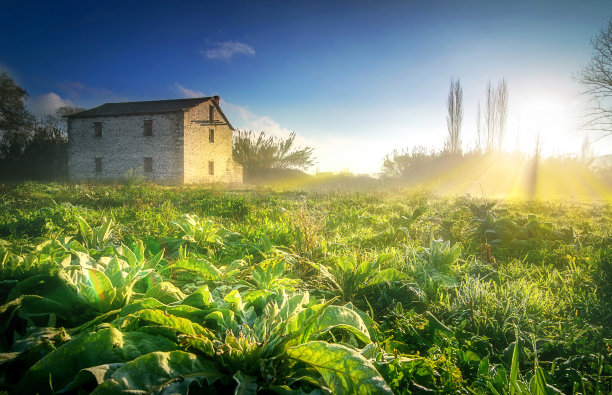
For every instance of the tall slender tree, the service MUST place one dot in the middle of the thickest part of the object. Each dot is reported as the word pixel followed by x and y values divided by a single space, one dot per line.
pixel 502 111
pixel 496 114
pixel 454 105
pixel 478 129
pixel 490 116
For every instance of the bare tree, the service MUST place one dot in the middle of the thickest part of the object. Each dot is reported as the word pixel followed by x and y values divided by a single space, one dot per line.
pixel 597 80
pixel 496 113
pixel 490 116
pixel 502 111
pixel 478 129
pixel 587 156
pixel 454 105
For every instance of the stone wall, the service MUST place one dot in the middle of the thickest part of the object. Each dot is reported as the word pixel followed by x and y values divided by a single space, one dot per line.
pixel 123 147
pixel 199 151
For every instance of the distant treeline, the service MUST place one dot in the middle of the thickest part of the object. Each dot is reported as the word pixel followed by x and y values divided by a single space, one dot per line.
pixel 30 149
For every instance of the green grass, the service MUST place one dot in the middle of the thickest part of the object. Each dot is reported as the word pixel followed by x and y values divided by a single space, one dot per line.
pixel 279 291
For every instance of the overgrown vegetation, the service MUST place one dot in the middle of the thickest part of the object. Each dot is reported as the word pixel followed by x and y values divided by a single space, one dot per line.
pixel 164 290
pixel 265 157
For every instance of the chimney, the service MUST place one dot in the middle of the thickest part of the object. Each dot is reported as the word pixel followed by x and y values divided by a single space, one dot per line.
pixel 216 99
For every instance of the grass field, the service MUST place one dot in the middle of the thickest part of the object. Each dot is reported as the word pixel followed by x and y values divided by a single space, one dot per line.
pixel 164 290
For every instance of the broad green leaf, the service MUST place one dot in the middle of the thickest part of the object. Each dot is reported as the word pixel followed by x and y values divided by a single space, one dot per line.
pixel 200 298
pixel 108 345
pixel 129 255
pixel 86 231
pixel 160 372
pixel 38 309
pixel 181 325
pixel 292 305
pixel 191 313
pixel 103 290
pixel 224 319
pixel 341 318
pixel 200 267
pixel 235 299
pixel 97 374
pixel 114 273
pixel 343 369
pixel 148 303
pixel 198 343
pixel 483 367
pixel 165 292
pixel 388 275
pixel 247 385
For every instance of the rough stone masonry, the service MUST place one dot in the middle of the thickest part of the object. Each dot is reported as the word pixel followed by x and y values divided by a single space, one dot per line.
pixel 182 141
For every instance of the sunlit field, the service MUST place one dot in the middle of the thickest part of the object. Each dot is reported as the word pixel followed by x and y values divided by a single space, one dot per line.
pixel 309 290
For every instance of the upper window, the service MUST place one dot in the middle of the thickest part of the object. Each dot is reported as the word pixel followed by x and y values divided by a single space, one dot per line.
pixel 211 136
pixel 211 113
pixel 211 168
pixel 98 165
pixel 148 165
pixel 98 129
pixel 148 128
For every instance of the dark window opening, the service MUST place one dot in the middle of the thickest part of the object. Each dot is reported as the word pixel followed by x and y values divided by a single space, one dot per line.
pixel 211 168
pixel 98 129
pixel 211 136
pixel 98 165
pixel 148 128
pixel 148 165
pixel 211 113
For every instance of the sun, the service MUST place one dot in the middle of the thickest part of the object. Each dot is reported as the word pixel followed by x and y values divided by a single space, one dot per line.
pixel 548 119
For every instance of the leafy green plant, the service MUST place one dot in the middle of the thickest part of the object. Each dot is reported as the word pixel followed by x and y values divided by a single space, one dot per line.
pixel 94 237
pixel 203 235
pixel 348 277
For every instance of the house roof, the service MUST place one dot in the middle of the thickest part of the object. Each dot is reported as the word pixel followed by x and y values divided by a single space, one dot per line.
pixel 148 107
pixel 141 107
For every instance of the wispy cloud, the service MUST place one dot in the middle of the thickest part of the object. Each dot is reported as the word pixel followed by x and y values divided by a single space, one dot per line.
pixel 186 92
pixel 75 90
pixel 47 104
pixel 227 50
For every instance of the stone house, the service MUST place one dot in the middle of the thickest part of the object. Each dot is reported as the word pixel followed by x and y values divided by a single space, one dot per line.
pixel 168 141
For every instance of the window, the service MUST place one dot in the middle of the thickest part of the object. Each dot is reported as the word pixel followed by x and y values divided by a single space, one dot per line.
pixel 211 136
pixel 148 165
pixel 98 129
pixel 211 168
pixel 148 128
pixel 98 165
pixel 211 113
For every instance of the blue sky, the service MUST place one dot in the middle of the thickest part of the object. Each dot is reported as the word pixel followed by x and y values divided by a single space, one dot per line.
pixel 355 79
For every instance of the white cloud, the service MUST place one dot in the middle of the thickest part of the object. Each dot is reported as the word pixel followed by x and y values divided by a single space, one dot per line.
pixel 47 104
pixel 186 92
pixel 228 49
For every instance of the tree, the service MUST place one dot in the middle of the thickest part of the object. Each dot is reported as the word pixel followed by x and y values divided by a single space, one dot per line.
pixel 496 113
pixel 259 153
pixel 29 149
pixel 454 105
pixel 478 129
pixel 597 80
pixel 587 155
pixel 502 111
pixel 490 116
pixel 58 119
pixel 15 120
